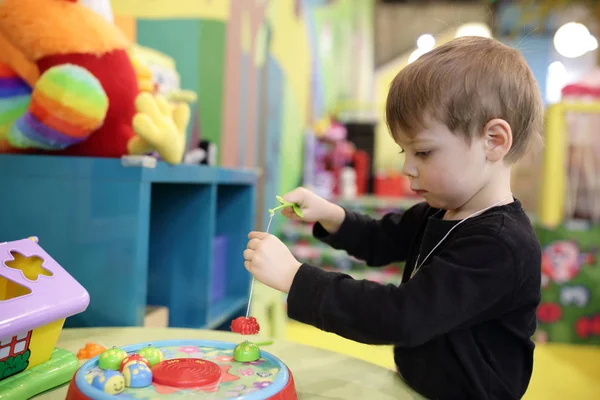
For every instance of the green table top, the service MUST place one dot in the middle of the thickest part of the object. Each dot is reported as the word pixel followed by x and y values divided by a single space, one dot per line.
pixel 318 373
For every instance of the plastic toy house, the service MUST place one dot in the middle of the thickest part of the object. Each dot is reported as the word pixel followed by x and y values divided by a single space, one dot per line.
pixel 36 296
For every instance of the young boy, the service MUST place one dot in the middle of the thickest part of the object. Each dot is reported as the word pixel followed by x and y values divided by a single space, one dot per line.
pixel 462 318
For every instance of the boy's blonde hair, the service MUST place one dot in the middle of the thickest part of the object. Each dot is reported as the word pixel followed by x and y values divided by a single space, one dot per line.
pixel 464 84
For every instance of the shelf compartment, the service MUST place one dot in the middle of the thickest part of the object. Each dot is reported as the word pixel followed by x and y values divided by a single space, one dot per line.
pixel 181 224
pixel 134 236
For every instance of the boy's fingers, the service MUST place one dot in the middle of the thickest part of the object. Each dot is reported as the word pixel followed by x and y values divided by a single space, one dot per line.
pixel 288 211
pixel 257 235
pixel 295 196
pixel 248 253
pixel 253 244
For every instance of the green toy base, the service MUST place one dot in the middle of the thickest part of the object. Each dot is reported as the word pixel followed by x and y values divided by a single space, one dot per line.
pixel 58 370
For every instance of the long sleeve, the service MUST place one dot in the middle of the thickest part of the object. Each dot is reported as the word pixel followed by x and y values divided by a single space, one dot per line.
pixel 376 242
pixel 455 289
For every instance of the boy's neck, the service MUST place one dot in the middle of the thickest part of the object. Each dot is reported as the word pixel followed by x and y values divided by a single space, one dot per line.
pixel 496 190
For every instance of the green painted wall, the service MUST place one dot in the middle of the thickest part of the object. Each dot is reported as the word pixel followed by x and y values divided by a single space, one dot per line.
pixel 211 74
pixel 346 74
pixel 292 140
pixel 201 70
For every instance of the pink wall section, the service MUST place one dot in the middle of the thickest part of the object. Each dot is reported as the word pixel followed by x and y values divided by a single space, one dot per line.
pixel 241 91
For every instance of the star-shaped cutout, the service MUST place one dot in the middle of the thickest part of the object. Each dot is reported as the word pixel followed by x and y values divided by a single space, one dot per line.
pixel 30 267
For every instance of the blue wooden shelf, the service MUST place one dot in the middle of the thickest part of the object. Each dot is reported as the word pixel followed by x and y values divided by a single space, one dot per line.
pixel 136 236
pixel 112 169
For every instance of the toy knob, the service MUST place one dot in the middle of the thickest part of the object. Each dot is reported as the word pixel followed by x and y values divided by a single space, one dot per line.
pixel 152 354
pixel 246 352
pixel 111 359
pixel 111 382
pixel 133 358
pixel 137 375
pixel 245 326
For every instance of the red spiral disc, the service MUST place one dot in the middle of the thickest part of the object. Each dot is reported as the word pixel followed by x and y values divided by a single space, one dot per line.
pixel 186 373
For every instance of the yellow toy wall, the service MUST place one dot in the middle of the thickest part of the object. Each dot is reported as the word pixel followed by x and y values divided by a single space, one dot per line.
pixel 43 340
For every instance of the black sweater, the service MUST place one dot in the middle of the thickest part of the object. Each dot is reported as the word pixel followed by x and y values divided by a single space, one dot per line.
pixel 462 326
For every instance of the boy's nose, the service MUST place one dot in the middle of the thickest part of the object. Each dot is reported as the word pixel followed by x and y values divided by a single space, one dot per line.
pixel 409 169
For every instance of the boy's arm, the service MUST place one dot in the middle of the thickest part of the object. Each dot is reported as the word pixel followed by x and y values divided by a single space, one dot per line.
pixel 377 242
pixel 459 287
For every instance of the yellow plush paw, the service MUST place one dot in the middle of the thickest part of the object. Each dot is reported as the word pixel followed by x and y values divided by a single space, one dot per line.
pixel 159 126
pixel 144 76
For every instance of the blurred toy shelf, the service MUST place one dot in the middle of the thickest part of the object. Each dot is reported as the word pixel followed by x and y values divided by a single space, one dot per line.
pixel 134 237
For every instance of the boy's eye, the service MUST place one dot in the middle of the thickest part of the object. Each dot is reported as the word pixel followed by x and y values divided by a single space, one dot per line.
pixel 422 153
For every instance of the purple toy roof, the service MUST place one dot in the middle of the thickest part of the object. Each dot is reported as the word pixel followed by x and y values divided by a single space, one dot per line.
pixel 51 298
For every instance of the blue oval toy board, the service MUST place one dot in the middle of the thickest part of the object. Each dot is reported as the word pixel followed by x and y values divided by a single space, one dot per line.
pixel 190 368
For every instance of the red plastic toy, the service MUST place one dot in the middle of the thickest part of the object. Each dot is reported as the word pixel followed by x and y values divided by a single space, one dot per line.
pixel 90 350
pixel 187 373
pixel 245 326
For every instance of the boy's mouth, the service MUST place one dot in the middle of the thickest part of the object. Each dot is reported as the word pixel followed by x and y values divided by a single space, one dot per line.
pixel 419 191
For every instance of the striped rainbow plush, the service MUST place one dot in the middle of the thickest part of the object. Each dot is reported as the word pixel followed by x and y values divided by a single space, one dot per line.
pixel 68 104
pixel 15 95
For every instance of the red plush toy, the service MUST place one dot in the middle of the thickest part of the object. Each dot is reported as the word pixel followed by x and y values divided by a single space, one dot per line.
pixel 67 70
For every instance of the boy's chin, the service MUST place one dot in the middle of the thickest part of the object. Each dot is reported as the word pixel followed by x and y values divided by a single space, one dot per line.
pixel 434 202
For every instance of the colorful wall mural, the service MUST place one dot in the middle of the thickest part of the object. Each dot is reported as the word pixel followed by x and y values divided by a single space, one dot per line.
pixel 263 70
pixel 570 310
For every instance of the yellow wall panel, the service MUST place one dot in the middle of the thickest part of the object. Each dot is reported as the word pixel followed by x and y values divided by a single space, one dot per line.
pixel 289 47
pixel 164 9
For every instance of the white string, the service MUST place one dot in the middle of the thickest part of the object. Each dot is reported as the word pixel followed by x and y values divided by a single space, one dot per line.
pixel 418 267
pixel 252 282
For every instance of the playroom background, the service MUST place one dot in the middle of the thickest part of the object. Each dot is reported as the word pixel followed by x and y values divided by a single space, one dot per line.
pixel 282 93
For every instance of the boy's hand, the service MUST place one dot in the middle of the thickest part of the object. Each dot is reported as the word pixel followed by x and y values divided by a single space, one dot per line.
pixel 314 209
pixel 270 261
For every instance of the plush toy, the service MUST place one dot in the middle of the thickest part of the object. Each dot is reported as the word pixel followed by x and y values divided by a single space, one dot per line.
pixel 164 78
pixel 69 87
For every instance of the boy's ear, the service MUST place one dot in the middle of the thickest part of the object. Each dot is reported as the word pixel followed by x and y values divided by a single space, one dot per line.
pixel 498 139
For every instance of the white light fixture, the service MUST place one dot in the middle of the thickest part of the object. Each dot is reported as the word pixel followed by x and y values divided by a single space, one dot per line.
pixel 415 55
pixel 592 43
pixel 557 67
pixel 474 29
pixel 555 81
pixel 426 42
pixel 573 40
pixel 326 42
